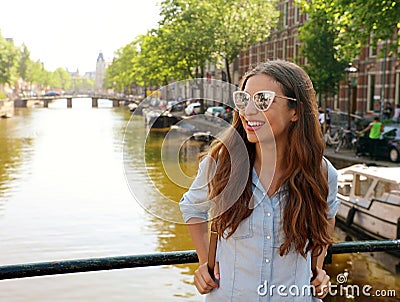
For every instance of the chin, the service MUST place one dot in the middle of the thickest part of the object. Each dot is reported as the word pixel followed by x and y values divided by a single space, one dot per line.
pixel 263 138
pixel 252 138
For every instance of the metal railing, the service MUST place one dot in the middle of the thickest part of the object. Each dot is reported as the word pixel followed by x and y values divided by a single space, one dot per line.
pixel 166 258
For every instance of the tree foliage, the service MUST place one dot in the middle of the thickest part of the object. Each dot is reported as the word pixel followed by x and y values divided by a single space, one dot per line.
pixel 8 61
pixel 240 24
pixel 15 64
pixel 317 45
pixel 190 35
pixel 359 23
pixel 23 62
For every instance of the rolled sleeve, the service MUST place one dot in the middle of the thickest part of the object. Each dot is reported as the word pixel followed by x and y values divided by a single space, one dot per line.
pixel 195 203
pixel 333 201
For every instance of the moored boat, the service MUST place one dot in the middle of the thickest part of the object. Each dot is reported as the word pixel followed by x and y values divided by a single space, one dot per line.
pixel 159 122
pixel 370 200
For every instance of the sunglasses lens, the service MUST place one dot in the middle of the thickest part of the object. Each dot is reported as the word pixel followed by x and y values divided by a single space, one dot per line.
pixel 241 99
pixel 263 99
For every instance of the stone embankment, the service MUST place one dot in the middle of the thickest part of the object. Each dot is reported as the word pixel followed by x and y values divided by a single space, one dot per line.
pixel 6 108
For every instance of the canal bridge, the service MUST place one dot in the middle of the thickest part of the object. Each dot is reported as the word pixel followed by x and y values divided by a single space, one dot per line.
pixel 115 99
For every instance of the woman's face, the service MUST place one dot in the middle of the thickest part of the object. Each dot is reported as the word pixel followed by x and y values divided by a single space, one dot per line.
pixel 259 124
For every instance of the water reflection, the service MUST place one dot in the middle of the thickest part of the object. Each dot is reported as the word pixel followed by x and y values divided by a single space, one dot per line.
pixel 16 146
pixel 171 236
pixel 369 271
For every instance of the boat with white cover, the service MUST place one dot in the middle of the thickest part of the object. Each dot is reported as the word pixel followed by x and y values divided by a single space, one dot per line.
pixel 370 200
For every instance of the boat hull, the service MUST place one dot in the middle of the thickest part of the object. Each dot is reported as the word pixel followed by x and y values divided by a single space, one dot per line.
pixel 162 123
pixel 377 222
pixel 370 201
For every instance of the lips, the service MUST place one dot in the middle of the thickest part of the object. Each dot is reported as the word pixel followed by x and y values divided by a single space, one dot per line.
pixel 254 125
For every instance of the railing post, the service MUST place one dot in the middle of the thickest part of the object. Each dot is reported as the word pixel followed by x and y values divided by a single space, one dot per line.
pixel 95 102
pixel 398 228
pixel 115 103
pixel 69 102
pixel 45 103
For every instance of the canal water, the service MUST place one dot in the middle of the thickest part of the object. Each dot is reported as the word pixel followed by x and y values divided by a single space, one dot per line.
pixel 85 182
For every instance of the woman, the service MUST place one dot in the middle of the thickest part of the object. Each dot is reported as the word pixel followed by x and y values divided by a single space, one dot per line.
pixel 285 211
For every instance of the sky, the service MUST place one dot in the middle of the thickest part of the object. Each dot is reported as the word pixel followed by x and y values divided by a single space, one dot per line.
pixel 70 34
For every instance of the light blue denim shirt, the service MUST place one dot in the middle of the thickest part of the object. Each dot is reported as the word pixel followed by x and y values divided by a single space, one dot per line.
pixel 251 268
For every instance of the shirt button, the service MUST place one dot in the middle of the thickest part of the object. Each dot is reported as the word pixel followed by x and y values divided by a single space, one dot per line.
pixel 268 237
pixel 267 260
pixel 269 214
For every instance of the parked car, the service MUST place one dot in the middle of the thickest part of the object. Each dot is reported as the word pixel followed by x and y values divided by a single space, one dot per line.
pixel 51 93
pixel 193 108
pixel 217 111
pixel 174 106
pixel 388 146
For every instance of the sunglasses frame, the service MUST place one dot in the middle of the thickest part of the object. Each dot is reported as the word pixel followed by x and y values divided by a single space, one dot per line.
pixel 273 94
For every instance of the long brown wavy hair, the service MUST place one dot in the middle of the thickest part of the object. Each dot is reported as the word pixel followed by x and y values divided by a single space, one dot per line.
pixel 305 208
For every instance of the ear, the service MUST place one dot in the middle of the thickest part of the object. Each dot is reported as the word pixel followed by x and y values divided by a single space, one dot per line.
pixel 295 116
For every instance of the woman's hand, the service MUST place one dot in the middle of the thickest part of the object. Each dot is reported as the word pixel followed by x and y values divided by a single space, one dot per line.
pixel 203 281
pixel 321 283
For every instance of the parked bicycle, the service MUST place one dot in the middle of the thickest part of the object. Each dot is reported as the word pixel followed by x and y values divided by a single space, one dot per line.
pixel 332 140
pixel 347 139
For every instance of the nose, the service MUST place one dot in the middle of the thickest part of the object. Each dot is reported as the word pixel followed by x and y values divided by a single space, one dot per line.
pixel 251 108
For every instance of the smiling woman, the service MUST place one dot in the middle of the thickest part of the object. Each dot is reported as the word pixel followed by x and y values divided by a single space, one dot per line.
pixel 276 230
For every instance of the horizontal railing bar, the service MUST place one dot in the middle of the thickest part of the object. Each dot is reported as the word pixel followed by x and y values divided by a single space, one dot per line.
pixel 95 264
pixel 155 259
pixel 365 246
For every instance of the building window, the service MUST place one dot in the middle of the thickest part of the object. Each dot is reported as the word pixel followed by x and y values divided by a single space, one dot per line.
pixel 284 49
pixel 373 50
pixel 286 14
pixel 336 102
pixel 258 53
pixel 251 56
pixel 371 92
pixel 296 14
pixel 296 51
pixel 275 50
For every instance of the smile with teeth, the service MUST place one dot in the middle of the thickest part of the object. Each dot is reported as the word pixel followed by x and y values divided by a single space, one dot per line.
pixel 255 124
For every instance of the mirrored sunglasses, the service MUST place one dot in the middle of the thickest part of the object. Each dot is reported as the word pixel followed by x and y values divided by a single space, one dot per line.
pixel 262 99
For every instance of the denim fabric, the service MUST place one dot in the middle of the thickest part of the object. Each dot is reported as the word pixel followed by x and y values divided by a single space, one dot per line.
pixel 251 268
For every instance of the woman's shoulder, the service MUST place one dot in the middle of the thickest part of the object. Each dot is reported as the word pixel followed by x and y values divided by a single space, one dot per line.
pixel 332 172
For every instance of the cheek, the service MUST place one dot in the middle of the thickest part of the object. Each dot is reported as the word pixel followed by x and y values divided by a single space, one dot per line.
pixel 277 123
pixel 242 119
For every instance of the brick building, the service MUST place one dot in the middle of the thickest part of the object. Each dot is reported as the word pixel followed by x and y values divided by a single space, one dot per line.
pixel 372 89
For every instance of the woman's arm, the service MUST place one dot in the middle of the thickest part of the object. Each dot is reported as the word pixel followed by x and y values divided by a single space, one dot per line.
pixel 321 257
pixel 320 279
pixel 198 229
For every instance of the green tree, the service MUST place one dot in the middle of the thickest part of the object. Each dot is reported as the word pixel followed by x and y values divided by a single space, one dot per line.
pixel 24 61
pixel 82 85
pixel 188 35
pixel 120 74
pixel 359 23
pixel 61 78
pixel 240 24
pixel 36 73
pixel 8 61
pixel 317 38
